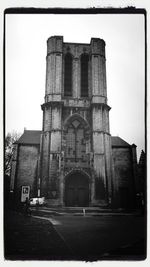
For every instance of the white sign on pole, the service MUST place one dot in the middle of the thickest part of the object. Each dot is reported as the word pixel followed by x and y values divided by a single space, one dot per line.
pixel 25 192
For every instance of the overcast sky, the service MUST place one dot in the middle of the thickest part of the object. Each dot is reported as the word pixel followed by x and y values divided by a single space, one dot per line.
pixel 26 37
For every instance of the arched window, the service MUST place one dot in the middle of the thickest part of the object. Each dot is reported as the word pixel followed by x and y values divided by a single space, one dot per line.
pixel 68 75
pixel 84 75
pixel 75 142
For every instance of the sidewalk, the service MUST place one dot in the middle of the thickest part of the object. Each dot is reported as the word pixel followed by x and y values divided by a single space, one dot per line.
pixel 29 238
pixel 76 211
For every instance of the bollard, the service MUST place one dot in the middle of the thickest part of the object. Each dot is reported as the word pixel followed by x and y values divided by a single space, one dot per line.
pixel 83 212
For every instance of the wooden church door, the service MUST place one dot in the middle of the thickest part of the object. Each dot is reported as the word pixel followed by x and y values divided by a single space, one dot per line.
pixel 77 190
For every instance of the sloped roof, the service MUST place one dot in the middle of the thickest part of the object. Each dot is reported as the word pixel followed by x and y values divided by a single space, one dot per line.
pixel 33 137
pixel 118 142
pixel 30 137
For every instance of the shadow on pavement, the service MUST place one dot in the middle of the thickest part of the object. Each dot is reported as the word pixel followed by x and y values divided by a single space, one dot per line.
pixel 30 238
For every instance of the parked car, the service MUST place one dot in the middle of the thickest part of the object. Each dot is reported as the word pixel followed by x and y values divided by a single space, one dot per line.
pixel 37 201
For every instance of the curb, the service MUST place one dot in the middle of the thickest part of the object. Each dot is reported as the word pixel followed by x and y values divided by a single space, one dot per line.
pixel 82 214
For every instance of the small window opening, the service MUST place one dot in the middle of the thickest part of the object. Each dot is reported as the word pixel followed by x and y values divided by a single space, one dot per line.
pixel 84 75
pixel 68 75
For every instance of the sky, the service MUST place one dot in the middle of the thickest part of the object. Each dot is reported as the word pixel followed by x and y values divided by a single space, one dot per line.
pixel 25 59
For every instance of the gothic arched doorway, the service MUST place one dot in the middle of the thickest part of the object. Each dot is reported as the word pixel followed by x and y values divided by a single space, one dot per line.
pixel 77 190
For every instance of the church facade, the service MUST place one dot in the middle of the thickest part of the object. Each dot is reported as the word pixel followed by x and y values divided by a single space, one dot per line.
pixel 74 160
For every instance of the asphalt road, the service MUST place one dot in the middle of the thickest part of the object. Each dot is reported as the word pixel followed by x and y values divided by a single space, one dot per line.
pixel 29 238
pixel 96 237
pixel 45 236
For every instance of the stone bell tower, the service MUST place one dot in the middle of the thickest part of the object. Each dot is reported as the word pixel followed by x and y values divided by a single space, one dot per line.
pixel 75 161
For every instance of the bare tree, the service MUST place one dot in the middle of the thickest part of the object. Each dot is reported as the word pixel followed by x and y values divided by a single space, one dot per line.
pixel 10 139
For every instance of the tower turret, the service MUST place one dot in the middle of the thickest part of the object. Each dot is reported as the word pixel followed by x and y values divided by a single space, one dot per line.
pixel 52 112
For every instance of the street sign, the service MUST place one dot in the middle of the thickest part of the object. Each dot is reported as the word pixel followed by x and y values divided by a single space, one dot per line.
pixel 25 192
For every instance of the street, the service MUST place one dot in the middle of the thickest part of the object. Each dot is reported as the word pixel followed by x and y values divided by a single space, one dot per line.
pixel 46 236
pixel 100 236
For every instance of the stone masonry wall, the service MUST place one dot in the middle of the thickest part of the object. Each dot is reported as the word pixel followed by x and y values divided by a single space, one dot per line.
pixel 123 179
pixel 27 169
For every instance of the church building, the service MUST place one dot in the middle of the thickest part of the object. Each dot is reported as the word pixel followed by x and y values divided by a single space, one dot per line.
pixel 74 161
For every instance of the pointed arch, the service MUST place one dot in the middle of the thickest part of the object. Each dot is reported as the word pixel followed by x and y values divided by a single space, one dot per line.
pixel 76 136
pixel 78 170
pixel 78 117
pixel 77 184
